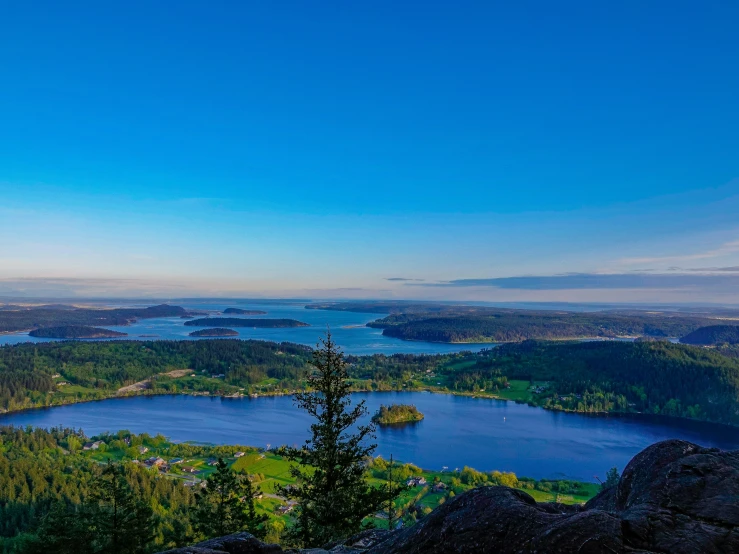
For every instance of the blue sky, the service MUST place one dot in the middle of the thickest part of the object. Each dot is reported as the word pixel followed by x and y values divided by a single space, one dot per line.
pixel 320 149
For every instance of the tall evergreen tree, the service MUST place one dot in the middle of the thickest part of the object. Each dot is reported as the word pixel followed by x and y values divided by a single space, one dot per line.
pixel 124 524
pixel 226 505
pixel 64 530
pixel 332 493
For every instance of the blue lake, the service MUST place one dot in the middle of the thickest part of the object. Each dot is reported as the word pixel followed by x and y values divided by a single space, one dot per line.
pixel 348 329
pixel 457 431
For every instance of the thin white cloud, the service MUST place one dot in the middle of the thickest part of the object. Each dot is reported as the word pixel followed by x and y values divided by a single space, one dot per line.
pixel 730 247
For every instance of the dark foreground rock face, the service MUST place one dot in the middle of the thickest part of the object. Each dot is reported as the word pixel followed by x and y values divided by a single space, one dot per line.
pixel 673 497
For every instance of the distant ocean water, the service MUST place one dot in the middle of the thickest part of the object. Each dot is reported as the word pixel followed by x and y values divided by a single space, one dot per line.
pixel 348 329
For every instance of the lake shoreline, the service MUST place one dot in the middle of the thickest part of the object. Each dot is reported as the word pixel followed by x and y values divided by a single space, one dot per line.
pixel 458 431
pixel 476 395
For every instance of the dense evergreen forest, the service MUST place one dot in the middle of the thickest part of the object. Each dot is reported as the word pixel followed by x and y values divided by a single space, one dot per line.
pixel 655 377
pixel 713 335
pixel 243 322
pixel 18 318
pixel 39 469
pixel 30 373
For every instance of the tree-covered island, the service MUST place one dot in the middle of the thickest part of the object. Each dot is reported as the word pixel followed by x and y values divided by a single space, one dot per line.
pixel 214 332
pixel 75 332
pixel 243 322
pixel 397 413
pixel 241 311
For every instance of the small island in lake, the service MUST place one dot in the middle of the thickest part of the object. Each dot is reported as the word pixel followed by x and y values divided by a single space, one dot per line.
pixel 75 332
pixel 397 413
pixel 214 332
pixel 239 311
pixel 243 322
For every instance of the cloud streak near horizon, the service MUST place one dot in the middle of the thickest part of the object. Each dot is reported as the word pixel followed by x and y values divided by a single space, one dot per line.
pixel 727 282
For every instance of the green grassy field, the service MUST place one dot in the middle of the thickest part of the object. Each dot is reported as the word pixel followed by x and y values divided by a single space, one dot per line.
pixel 271 470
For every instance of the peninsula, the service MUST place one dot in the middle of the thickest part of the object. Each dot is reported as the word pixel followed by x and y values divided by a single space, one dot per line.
pixel 713 335
pixel 242 322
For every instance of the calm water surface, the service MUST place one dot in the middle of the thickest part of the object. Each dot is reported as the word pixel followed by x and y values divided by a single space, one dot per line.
pixel 457 431
pixel 348 329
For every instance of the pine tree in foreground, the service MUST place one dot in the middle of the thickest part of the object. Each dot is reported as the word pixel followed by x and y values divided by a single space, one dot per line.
pixel 333 496
pixel 226 505
pixel 124 524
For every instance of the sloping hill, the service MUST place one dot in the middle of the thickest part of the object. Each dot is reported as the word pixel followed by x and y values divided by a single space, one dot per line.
pixel 712 335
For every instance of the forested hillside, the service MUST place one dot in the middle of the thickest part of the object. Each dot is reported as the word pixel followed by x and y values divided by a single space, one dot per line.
pixel 97 369
pixel 603 376
pixel 654 377
pixel 712 335
pixel 39 469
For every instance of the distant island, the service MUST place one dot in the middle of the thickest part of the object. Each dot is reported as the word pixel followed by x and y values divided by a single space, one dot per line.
pixel 27 318
pixel 239 311
pixel 713 335
pixel 75 332
pixel 397 413
pixel 215 332
pixel 242 322
pixel 459 323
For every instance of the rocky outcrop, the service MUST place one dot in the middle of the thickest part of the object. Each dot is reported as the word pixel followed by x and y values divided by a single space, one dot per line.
pixel 673 497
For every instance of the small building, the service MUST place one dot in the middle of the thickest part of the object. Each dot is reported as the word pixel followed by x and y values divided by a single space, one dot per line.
pixel 416 482
pixel 175 461
pixel 439 487
pixel 212 462
pixel 189 469
pixel 143 449
pixel 286 509
pixel 155 461
pixel 92 445
pixel 239 454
